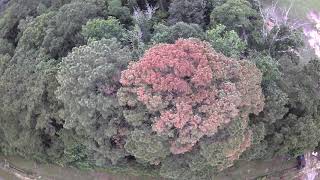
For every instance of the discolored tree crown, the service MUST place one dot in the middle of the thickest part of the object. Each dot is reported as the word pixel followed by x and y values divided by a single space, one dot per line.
pixel 190 91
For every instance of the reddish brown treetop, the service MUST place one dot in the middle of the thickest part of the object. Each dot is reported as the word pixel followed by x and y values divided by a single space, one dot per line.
pixel 195 90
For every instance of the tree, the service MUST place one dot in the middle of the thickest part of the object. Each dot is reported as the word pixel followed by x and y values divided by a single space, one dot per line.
pixel 69 149
pixel 211 4
pixel 16 11
pixel 283 40
pixel 143 19
pixel 269 67
pixel 188 11
pixel 221 154
pixel 294 132
pixel 290 116
pixel 64 31
pixel 136 42
pixel 28 105
pixel 146 147
pixel 4 60
pixel 6 48
pixel 241 16
pixel 215 3
pixel 186 92
pixel 235 14
pixel 226 42
pixel 97 29
pixel 89 80
pixel 116 9
pixel 169 34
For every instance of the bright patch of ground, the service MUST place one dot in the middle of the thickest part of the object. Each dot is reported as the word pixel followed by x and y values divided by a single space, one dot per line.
pixel 301 8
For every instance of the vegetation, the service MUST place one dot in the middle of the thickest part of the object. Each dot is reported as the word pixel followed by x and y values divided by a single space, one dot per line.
pixel 180 89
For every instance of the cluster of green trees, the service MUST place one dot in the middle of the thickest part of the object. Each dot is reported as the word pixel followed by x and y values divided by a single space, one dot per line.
pixel 80 85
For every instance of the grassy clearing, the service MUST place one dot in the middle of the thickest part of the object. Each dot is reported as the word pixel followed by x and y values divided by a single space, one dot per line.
pixel 253 169
pixel 4 175
pixel 300 7
pixel 51 171
pixel 299 11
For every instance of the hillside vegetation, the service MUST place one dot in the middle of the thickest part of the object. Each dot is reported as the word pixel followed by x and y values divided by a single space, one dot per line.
pixel 178 89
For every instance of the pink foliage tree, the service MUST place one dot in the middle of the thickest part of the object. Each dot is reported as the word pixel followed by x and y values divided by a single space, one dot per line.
pixel 192 91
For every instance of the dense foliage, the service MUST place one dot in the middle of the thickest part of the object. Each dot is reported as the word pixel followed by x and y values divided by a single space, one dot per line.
pixel 97 29
pixel 189 11
pixel 226 42
pixel 180 88
pixel 88 79
pixel 169 34
pixel 193 90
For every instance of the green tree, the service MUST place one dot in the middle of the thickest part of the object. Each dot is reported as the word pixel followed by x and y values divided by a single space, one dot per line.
pixel 226 42
pixel 88 79
pixel 290 115
pixel 188 11
pixel 64 31
pixel 136 43
pixel 283 40
pixel 97 29
pixel 16 11
pixel 6 47
pixel 267 65
pixel 27 85
pixel 241 16
pixel 169 34
pixel 4 60
pixel 116 9
pixel 295 131
pixel 215 3
pixel 146 147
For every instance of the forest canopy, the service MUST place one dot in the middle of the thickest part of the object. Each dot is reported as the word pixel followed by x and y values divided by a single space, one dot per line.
pixel 183 88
